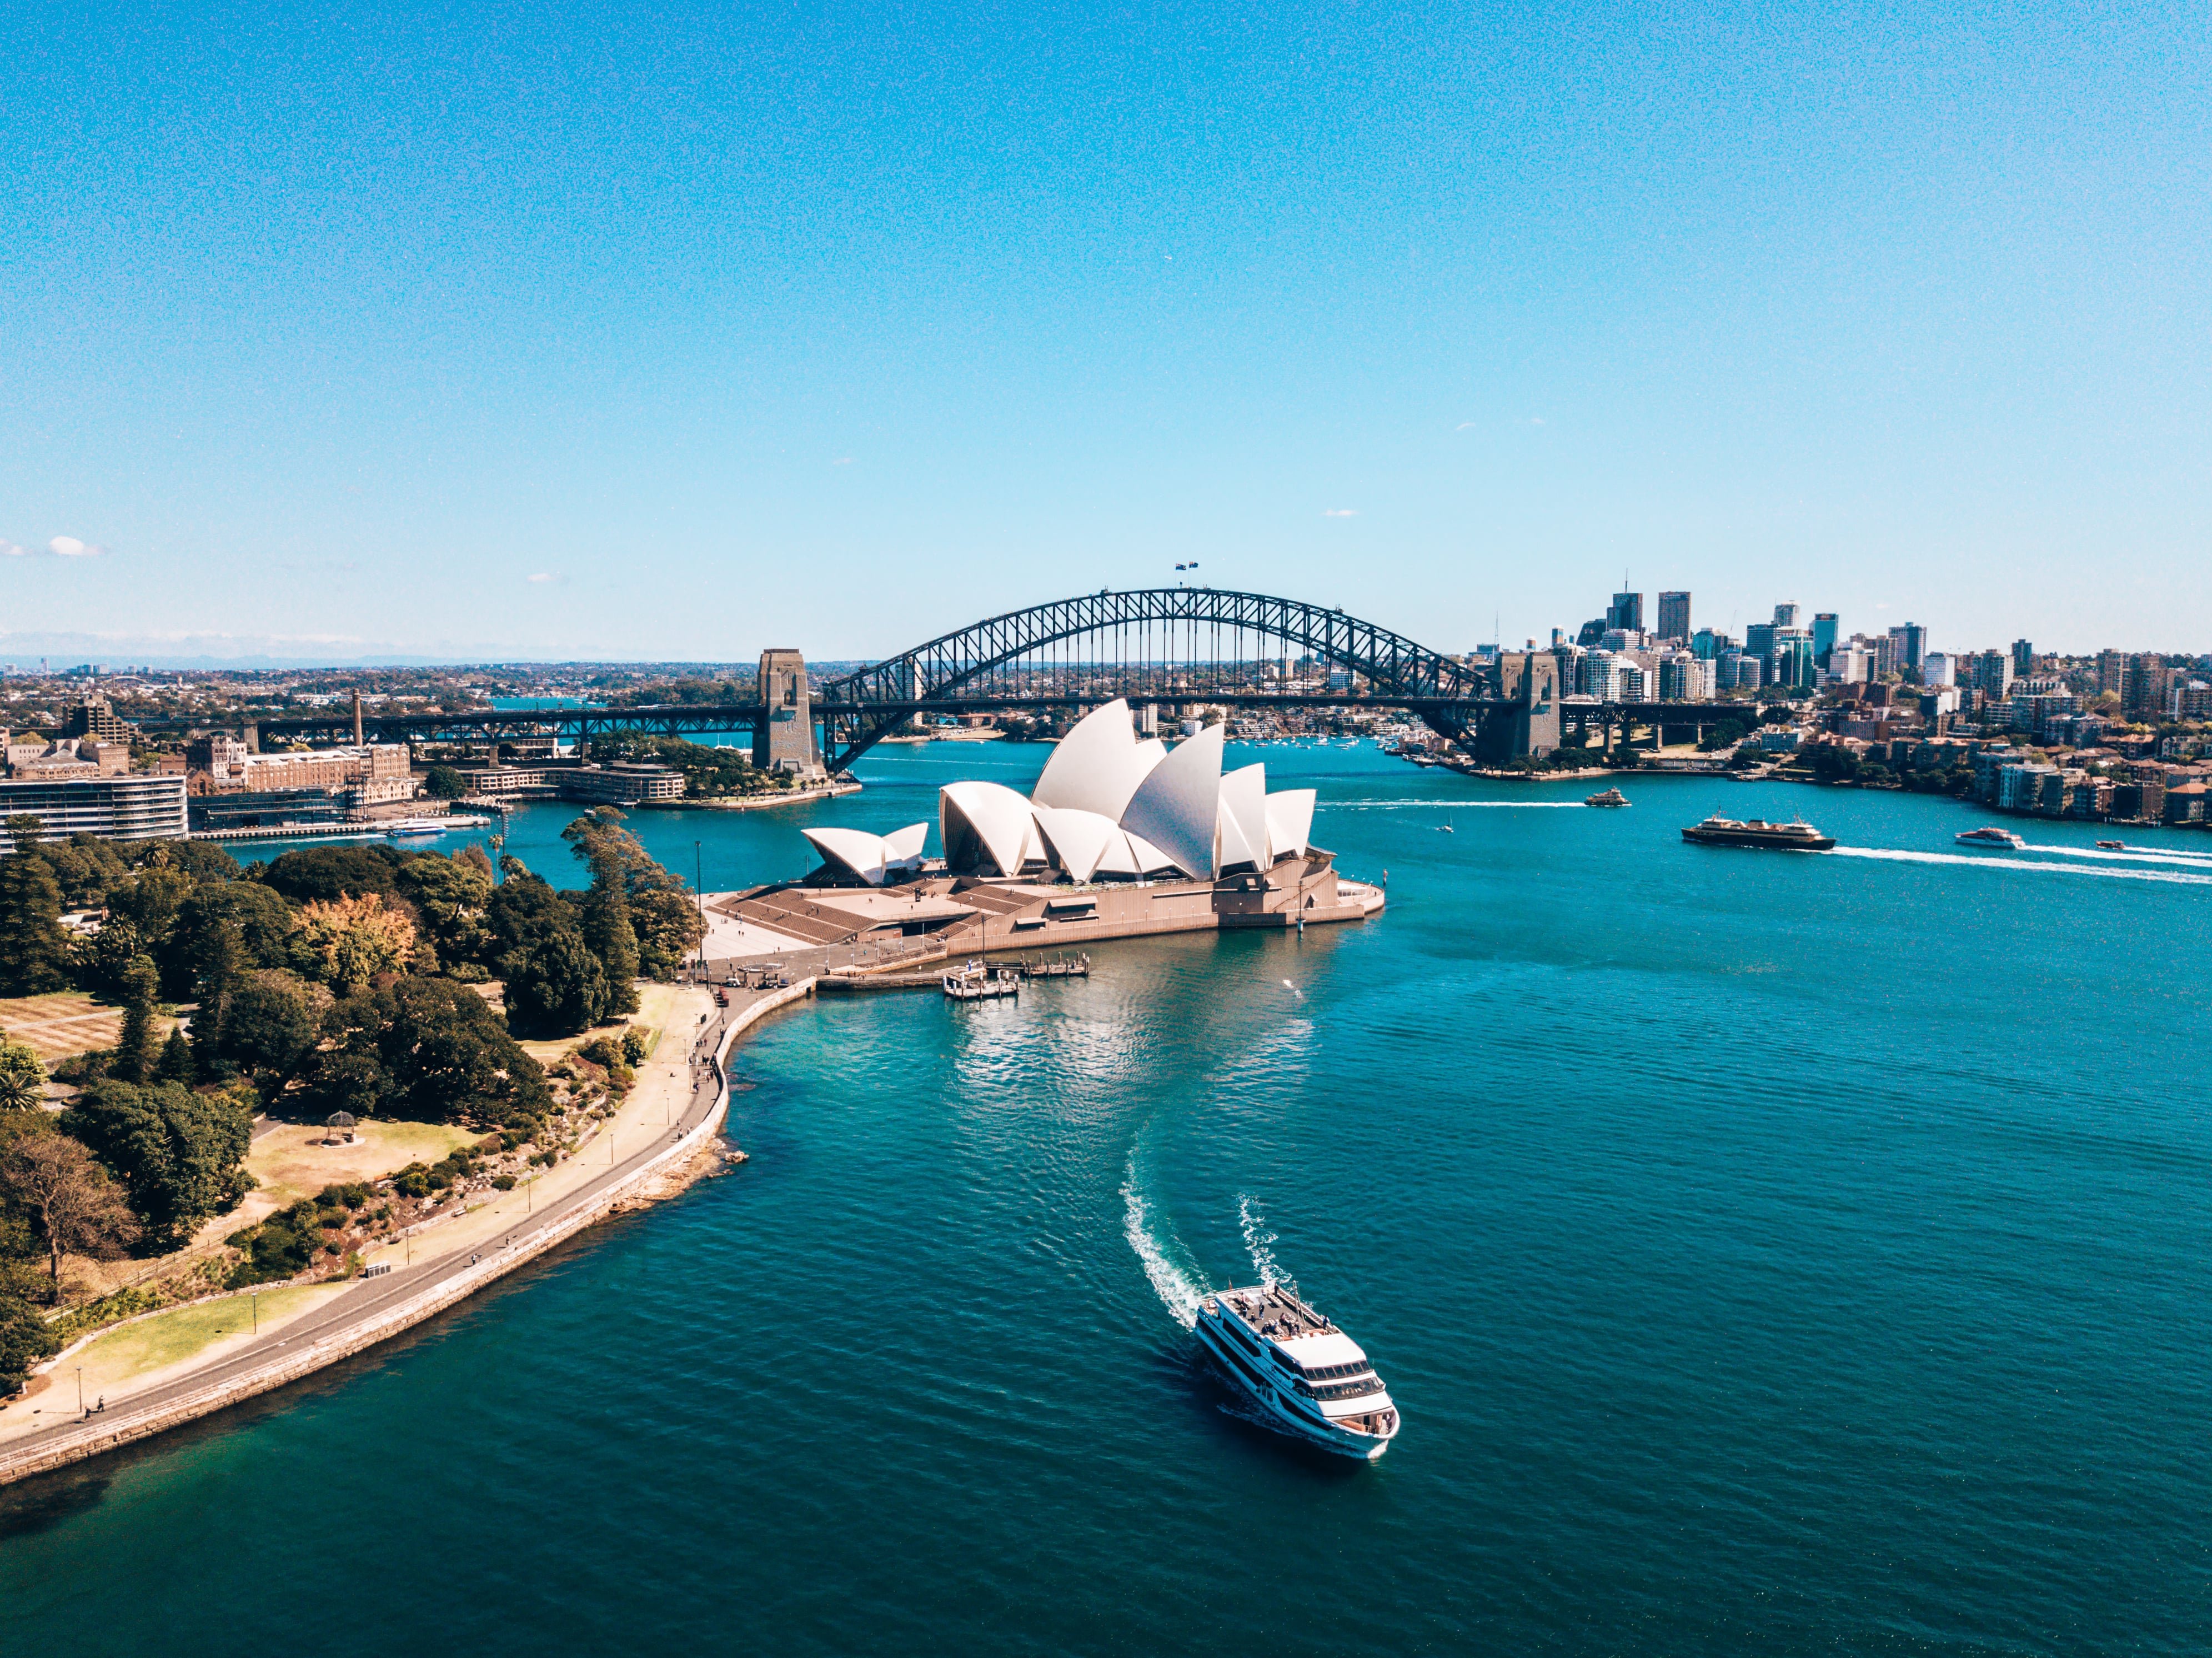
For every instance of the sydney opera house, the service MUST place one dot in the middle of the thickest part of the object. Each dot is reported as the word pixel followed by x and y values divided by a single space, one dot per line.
pixel 1119 837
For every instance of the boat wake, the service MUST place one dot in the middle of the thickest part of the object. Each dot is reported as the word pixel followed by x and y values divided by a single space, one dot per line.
pixel 2185 859
pixel 1179 1290
pixel 1258 1241
pixel 1893 855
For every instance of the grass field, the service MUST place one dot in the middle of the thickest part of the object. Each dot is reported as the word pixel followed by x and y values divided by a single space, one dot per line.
pixel 155 1343
pixel 291 1163
pixel 54 1027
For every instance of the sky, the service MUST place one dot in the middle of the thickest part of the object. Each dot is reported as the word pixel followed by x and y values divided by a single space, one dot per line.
pixel 676 332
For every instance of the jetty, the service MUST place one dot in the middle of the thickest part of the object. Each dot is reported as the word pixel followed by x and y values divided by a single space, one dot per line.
pixel 976 982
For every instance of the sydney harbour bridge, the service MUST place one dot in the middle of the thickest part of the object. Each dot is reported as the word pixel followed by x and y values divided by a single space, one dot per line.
pixel 1170 646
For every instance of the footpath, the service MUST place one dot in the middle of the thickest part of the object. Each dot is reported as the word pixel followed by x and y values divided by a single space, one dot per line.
pixel 443 1266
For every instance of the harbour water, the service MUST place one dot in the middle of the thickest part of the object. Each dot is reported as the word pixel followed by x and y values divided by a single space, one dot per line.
pixel 1769 1252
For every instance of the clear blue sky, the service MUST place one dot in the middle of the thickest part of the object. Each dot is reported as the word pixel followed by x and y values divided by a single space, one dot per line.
pixel 678 332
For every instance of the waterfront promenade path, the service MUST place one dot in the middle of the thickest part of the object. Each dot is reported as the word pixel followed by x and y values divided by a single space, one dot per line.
pixel 669 1124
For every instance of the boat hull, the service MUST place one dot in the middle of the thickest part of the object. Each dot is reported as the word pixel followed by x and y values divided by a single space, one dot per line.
pixel 1277 1413
pixel 1705 837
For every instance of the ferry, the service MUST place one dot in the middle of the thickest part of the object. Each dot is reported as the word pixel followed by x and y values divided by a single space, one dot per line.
pixel 1718 831
pixel 1607 797
pixel 1312 1381
pixel 1990 835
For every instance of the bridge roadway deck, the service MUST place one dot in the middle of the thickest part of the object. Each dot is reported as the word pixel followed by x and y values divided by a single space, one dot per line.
pixel 351 1322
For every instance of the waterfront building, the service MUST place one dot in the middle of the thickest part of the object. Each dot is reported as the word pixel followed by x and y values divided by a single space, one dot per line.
pixel 623 784
pixel 1674 616
pixel 1109 806
pixel 146 806
pixel 240 809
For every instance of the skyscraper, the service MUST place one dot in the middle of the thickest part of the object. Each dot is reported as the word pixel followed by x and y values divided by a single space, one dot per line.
pixel 2023 658
pixel 1908 644
pixel 1626 611
pixel 1674 615
pixel 1824 636
pixel 1785 615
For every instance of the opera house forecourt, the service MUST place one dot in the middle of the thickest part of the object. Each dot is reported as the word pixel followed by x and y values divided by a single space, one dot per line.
pixel 1121 837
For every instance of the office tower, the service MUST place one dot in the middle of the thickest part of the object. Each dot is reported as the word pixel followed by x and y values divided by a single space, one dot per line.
pixel 1907 645
pixel 1674 615
pixel 1625 612
pixel 1785 615
pixel 1824 636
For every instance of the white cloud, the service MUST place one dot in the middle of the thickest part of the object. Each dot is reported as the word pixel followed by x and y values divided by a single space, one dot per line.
pixel 70 547
pixel 842 460
pixel 10 549
pixel 542 576
pixel 1463 425
pixel 1340 512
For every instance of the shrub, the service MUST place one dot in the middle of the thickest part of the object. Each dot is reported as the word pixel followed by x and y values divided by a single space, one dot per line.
pixel 413 1181
pixel 503 1182
pixel 349 1195
pixel 634 1046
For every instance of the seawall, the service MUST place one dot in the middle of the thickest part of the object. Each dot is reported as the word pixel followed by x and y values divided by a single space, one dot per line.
pixel 124 1425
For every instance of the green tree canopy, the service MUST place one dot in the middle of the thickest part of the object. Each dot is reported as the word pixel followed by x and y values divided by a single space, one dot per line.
pixel 451 896
pixel 180 1155
pixel 22 1076
pixel 426 1049
pixel 270 1026
pixel 324 873
pixel 88 867
pixel 444 783
pixel 34 954
pixel 557 987
pixel 139 1049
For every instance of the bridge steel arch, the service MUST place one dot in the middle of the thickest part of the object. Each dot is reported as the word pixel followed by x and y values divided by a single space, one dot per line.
pixel 860 709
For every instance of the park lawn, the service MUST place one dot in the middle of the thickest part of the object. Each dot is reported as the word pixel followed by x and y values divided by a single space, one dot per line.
pixel 154 1344
pixel 653 1005
pixel 291 1162
pixel 57 1026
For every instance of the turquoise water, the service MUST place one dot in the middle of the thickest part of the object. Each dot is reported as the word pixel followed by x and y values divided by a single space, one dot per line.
pixel 1770 1253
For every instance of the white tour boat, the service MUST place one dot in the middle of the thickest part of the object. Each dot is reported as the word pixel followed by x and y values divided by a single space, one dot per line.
pixel 1311 1378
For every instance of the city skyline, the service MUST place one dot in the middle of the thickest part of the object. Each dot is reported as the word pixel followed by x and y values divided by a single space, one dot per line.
pixel 643 340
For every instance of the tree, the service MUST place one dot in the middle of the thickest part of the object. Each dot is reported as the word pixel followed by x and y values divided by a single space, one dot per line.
pixel 176 1063
pixel 669 928
pixel 88 867
pixel 228 926
pixel 78 1209
pixel 33 950
pixel 608 935
pixel 181 1154
pixel 426 1049
pixel 270 1026
pixel 151 901
pixel 320 874
pixel 137 1053
pixel 557 986
pixel 451 896
pixel 203 863
pixel 444 783
pixel 24 1338
pixel 22 1078
pixel 349 942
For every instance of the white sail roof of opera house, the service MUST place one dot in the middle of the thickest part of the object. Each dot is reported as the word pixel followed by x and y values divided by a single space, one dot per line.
pixel 866 856
pixel 1290 821
pixel 987 824
pixel 1098 765
pixel 1107 804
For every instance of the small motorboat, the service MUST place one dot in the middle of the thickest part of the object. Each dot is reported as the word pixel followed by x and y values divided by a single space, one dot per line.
pixel 2113 846
pixel 1445 827
pixel 1607 797
pixel 1989 835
